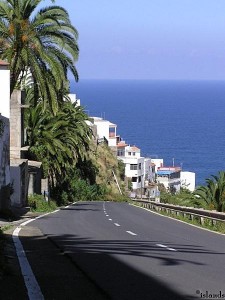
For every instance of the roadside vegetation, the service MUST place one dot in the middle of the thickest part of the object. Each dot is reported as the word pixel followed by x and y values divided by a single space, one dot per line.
pixel 210 197
pixel 38 203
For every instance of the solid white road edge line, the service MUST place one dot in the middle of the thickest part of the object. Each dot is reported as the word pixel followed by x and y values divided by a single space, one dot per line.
pixel 33 289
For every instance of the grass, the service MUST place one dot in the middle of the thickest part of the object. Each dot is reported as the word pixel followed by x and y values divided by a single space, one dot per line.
pixel 37 203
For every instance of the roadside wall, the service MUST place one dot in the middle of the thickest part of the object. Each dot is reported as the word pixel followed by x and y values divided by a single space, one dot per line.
pixel 4 163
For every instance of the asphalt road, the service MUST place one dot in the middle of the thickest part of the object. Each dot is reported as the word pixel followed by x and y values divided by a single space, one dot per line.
pixel 126 253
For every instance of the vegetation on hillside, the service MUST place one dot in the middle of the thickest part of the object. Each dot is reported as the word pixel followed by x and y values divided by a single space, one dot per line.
pixel 92 178
pixel 183 198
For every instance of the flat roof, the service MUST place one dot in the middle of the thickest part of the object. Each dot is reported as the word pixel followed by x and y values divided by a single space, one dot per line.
pixel 166 172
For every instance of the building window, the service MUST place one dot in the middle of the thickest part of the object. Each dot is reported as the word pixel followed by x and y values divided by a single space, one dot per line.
pixel 133 167
pixel 112 131
pixel 139 178
pixel 139 166
pixel 120 153
pixel 134 179
pixel 133 153
pixel 129 153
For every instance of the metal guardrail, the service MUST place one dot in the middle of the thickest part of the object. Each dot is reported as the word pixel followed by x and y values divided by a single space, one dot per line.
pixel 192 212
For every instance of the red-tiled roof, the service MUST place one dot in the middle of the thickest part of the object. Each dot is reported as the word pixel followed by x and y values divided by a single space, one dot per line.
pixel 134 148
pixel 3 63
pixel 122 144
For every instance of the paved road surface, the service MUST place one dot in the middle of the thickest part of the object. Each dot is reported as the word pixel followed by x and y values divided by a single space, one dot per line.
pixel 127 253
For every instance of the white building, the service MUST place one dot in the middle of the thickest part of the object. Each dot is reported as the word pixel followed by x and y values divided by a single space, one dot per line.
pixel 5 89
pixel 105 130
pixel 137 168
pixel 188 180
pixel 73 98
pixel 169 177
pixel 158 162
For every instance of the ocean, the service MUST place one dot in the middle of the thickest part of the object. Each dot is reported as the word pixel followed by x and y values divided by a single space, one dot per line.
pixel 180 121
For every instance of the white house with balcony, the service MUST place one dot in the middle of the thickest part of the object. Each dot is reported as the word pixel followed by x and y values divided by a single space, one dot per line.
pixel 105 130
pixel 137 168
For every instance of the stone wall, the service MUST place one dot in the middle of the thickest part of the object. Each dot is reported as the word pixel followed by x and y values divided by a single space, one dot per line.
pixel 4 164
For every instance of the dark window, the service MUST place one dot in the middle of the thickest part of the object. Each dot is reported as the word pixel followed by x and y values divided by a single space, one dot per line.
pixel 133 167
pixel 112 131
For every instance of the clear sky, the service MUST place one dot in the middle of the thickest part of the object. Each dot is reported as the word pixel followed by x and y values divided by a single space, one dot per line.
pixel 149 39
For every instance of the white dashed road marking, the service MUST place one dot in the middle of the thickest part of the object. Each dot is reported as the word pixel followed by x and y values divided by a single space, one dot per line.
pixel 110 219
pixel 160 245
pixel 117 224
pixel 166 247
pixel 171 249
pixel 130 232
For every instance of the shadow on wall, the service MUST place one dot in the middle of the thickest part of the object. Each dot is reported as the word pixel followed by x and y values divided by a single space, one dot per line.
pixel 5 192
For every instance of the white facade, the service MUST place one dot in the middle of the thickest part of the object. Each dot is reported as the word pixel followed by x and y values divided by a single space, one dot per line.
pixel 188 180
pixel 5 90
pixel 136 167
pixel 4 135
pixel 105 129
pixel 74 99
pixel 158 162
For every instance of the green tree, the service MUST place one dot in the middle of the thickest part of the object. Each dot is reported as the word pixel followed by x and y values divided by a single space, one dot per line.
pixel 58 141
pixel 213 194
pixel 38 42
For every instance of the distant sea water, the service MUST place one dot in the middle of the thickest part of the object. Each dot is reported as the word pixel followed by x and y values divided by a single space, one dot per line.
pixel 180 121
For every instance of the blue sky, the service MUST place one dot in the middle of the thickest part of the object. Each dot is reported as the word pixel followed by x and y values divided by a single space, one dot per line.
pixel 149 39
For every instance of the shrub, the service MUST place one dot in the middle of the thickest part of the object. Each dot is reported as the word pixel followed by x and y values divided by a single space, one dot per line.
pixel 39 204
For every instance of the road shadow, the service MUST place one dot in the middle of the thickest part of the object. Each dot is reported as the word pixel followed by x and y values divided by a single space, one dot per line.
pixel 99 261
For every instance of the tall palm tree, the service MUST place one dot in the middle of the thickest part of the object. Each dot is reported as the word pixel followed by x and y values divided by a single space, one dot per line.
pixel 58 141
pixel 43 43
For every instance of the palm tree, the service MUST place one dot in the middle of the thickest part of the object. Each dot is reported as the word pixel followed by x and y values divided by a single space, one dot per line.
pixel 213 194
pixel 43 43
pixel 58 141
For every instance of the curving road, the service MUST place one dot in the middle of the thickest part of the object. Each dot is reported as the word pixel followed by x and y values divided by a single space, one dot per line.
pixel 125 252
